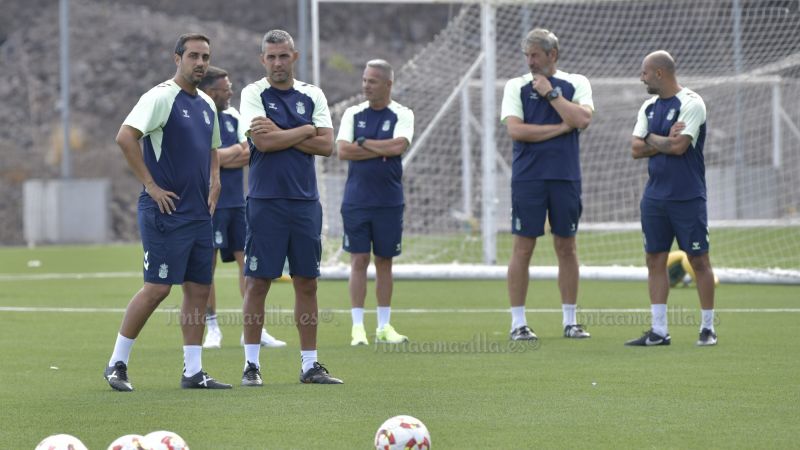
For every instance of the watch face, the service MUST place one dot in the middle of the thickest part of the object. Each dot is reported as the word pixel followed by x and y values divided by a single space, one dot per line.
pixel 553 94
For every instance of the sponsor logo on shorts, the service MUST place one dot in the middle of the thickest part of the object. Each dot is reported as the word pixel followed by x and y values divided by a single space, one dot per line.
pixel 218 237
pixel 253 263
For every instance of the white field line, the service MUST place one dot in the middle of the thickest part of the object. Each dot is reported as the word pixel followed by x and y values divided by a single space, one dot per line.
pixel 174 309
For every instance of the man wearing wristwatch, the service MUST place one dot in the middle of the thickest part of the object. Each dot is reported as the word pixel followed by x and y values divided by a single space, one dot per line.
pixel 372 137
pixel 544 112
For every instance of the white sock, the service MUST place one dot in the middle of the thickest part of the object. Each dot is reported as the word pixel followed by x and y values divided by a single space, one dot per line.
pixel 518 317
pixel 358 316
pixel 309 357
pixel 707 316
pixel 659 312
pixel 122 350
pixel 384 313
pixel 251 352
pixel 568 314
pixel 192 359
pixel 211 322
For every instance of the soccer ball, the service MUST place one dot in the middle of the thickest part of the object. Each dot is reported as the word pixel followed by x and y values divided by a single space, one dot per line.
pixel 402 432
pixel 61 442
pixel 166 440
pixel 131 442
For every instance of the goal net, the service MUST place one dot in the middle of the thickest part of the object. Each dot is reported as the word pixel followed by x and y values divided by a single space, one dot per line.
pixel 741 56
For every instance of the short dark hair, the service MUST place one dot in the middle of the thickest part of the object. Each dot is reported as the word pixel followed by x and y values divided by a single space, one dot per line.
pixel 180 46
pixel 213 73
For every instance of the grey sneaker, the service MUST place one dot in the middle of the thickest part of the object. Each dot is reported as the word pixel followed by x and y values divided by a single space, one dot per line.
pixel 252 376
pixel 576 332
pixel 117 377
pixel 523 333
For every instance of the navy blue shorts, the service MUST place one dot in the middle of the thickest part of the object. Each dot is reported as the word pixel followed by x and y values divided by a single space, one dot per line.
pixel 665 220
pixel 175 250
pixel 557 200
pixel 230 229
pixel 373 228
pixel 278 229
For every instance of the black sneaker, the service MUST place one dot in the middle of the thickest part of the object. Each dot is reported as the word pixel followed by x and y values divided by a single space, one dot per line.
pixel 318 374
pixel 252 376
pixel 117 377
pixel 707 337
pixel 576 332
pixel 649 339
pixel 201 380
pixel 523 333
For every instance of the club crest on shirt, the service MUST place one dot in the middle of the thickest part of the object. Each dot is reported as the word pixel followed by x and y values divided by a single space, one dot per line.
pixel 206 118
pixel 185 112
pixel 163 271
pixel 301 108
pixel 229 126
pixel 650 115
pixel 362 124
pixel 272 106
pixel 671 114
pixel 386 125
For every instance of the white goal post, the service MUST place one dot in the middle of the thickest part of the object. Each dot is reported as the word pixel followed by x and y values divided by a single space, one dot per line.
pixel 742 56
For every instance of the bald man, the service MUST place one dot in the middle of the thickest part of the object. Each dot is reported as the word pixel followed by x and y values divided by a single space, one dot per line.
pixel 671 131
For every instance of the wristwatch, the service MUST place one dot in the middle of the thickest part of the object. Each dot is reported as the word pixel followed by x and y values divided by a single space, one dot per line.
pixel 360 141
pixel 552 95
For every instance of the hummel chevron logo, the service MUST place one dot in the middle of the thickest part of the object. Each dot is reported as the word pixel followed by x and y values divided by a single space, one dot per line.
pixel 146 262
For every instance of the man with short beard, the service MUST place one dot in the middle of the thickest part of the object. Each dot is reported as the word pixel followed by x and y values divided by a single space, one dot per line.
pixel 179 168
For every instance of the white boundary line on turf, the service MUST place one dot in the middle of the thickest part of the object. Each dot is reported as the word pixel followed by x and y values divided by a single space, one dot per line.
pixel 174 309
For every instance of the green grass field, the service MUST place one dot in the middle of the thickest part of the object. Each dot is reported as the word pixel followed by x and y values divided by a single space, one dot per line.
pixel 459 374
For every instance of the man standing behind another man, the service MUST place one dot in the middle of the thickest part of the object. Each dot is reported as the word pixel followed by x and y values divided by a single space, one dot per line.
pixel 289 124
pixel 229 222
pixel 671 131
pixel 372 136
pixel 544 112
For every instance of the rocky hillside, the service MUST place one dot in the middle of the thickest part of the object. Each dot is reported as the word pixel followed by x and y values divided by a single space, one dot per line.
pixel 122 48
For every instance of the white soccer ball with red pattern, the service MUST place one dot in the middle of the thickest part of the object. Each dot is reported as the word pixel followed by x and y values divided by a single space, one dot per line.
pixel 166 440
pixel 131 442
pixel 403 433
pixel 61 442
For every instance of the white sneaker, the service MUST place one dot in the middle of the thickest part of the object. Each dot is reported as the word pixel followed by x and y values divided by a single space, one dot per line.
pixel 267 340
pixel 213 338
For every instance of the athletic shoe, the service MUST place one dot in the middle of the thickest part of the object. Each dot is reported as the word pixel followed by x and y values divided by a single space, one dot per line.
pixel 252 376
pixel 359 335
pixel 266 340
pixel 649 339
pixel 117 377
pixel 201 380
pixel 707 337
pixel 213 338
pixel 318 374
pixel 388 335
pixel 523 333
pixel 576 332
